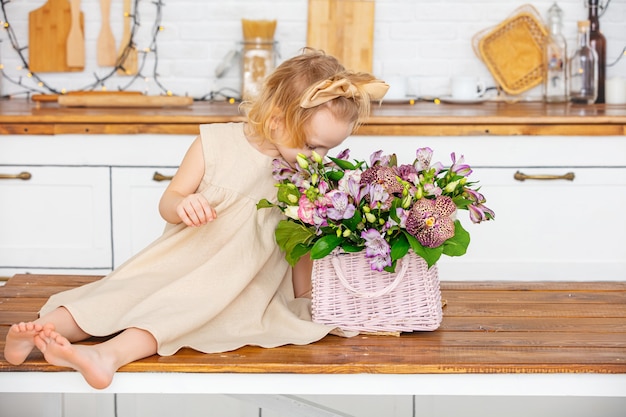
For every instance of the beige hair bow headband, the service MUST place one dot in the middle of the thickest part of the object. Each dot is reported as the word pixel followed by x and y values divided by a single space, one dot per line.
pixel 327 90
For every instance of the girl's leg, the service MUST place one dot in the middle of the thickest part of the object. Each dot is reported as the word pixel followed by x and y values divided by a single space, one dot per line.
pixel 302 277
pixel 97 363
pixel 20 339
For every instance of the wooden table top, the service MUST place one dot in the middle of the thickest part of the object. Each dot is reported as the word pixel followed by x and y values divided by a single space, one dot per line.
pixel 488 327
pixel 21 116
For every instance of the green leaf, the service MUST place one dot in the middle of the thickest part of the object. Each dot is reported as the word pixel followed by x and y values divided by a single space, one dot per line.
pixel 324 246
pixel 351 248
pixel 430 255
pixel 290 234
pixel 335 175
pixel 342 163
pixel 288 194
pixel 353 221
pixel 298 251
pixel 397 202
pixel 400 247
pixel 265 203
pixel 457 244
pixel 392 267
pixel 461 202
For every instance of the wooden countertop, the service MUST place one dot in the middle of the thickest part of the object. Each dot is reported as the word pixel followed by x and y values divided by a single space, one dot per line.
pixel 21 116
pixel 488 327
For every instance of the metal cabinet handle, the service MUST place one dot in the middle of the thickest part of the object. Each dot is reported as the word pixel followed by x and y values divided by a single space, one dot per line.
pixel 160 177
pixel 21 176
pixel 523 177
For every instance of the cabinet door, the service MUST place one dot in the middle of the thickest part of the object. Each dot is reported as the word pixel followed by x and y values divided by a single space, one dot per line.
pixel 546 229
pixel 57 218
pixel 135 199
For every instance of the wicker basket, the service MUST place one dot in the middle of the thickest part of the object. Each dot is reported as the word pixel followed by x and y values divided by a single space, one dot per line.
pixel 349 295
pixel 513 50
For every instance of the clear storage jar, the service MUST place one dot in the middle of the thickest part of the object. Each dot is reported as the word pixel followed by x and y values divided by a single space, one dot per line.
pixel 258 60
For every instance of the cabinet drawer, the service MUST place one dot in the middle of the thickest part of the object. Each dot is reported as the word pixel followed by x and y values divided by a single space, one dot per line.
pixel 57 218
pixel 136 219
pixel 553 229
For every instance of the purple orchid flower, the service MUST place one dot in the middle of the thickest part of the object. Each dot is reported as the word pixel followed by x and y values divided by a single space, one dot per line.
pixel 430 221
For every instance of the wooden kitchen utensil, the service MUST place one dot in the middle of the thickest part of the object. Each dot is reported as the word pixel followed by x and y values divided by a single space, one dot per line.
pixel 127 55
pixel 53 98
pixel 106 53
pixel 48 30
pixel 75 40
pixel 344 29
pixel 111 100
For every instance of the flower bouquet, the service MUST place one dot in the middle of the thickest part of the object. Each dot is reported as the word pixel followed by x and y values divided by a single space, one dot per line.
pixel 379 210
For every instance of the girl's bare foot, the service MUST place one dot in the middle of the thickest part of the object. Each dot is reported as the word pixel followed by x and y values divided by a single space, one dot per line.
pixel 85 359
pixel 21 341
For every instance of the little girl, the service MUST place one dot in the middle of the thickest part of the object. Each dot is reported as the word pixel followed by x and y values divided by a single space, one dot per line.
pixel 216 279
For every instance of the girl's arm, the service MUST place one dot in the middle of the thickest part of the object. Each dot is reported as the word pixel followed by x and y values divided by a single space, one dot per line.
pixel 179 202
pixel 302 277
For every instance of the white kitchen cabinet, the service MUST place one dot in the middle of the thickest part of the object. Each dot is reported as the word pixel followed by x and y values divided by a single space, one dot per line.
pixel 547 229
pixel 136 192
pixel 67 219
pixel 58 218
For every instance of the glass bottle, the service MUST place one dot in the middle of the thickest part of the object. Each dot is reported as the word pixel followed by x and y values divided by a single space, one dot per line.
pixel 598 43
pixel 583 69
pixel 555 75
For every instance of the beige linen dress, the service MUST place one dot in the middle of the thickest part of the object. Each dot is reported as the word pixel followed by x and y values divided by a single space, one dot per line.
pixel 213 288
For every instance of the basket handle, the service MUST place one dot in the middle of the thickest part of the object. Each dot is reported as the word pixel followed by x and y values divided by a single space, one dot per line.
pixel 384 291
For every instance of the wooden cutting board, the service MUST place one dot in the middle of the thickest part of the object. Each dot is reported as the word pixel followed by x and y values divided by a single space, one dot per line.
pixel 48 29
pixel 115 99
pixel 344 29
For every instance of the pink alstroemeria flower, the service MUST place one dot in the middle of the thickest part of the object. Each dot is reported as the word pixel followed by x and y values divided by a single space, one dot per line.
pixel 459 167
pixel 377 249
pixel 423 157
pixel 479 213
pixel 430 221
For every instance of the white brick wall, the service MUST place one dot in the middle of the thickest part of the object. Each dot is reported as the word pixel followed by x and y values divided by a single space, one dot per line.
pixel 428 40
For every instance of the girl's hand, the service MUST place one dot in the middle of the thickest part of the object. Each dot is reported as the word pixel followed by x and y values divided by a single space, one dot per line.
pixel 194 210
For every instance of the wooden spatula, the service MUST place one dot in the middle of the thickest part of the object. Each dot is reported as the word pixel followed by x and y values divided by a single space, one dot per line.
pixel 127 53
pixel 75 45
pixel 106 53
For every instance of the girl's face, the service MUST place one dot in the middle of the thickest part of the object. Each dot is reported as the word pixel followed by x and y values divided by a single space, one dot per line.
pixel 324 133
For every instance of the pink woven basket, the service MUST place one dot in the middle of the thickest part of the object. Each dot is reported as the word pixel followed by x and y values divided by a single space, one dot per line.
pixel 349 295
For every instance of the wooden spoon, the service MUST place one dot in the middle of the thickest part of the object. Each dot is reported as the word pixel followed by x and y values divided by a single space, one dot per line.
pixel 75 46
pixel 106 54
pixel 127 53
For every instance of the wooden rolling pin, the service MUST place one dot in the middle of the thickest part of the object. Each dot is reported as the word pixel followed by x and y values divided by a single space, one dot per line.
pixel 123 100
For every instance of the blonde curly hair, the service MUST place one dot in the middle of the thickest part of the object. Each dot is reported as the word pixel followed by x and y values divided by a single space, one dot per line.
pixel 283 90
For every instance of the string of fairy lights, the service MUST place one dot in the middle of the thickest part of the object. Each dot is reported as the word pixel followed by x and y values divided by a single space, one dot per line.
pixel 33 83
pixel 26 81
